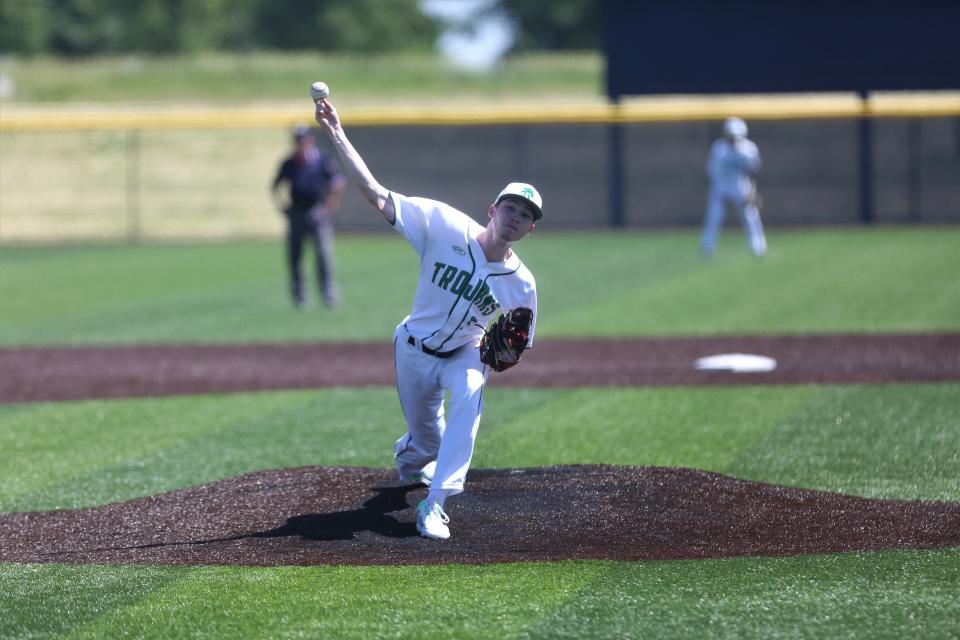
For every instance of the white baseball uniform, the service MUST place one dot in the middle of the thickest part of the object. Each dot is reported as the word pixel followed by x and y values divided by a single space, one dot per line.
pixel 731 166
pixel 435 347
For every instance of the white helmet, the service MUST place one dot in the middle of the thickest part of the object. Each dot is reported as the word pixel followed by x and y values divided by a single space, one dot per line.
pixel 734 128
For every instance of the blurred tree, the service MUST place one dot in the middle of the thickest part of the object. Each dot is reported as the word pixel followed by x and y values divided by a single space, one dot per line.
pixel 553 24
pixel 237 31
pixel 85 27
pixel 167 26
pixel 24 26
pixel 345 25
pixel 151 26
pixel 80 27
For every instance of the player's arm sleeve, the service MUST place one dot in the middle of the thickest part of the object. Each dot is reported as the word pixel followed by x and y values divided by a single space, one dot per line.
pixel 411 219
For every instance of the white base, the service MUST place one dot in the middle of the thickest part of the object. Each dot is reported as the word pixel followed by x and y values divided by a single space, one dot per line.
pixel 736 362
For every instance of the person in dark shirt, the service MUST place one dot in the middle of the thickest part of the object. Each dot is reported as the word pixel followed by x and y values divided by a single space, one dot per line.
pixel 314 188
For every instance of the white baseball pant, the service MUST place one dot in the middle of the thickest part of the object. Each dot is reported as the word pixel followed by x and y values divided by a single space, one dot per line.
pixel 432 434
pixel 717 203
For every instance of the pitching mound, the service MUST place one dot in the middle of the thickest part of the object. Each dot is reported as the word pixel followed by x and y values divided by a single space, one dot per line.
pixel 316 515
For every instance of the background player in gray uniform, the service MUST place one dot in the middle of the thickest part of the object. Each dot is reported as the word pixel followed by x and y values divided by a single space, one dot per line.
pixel 469 275
pixel 315 186
pixel 732 167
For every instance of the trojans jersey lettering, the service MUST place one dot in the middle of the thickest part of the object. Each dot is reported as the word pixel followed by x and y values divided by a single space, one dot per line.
pixel 458 291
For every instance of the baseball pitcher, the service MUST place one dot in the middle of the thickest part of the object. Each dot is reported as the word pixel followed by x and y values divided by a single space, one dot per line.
pixel 474 311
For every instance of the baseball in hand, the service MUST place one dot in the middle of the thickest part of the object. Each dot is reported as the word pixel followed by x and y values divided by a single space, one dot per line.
pixel 319 90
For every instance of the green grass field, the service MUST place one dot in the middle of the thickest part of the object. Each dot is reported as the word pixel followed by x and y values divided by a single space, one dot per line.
pixel 884 441
pixel 590 283
pixel 226 78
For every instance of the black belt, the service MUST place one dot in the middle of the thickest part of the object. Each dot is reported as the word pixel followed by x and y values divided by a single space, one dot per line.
pixel 431 352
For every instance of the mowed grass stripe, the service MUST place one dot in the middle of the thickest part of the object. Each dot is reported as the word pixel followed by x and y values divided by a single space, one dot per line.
pixel 888 594
pixel 892 441
pixel 77 454
pixel 40 601
pixel 356 602
pixel 865 280
pixel 592 283
pixel 703 428
pixel 195 293
pixel 892 594
pixel 880 441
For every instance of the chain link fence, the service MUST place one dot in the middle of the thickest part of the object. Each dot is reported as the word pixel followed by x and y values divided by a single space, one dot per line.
pixel 139 185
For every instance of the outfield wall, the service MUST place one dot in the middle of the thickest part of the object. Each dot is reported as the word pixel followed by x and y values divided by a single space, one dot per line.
pixel 163 174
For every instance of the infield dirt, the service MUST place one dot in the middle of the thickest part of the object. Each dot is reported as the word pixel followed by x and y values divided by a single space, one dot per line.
pixel 76 373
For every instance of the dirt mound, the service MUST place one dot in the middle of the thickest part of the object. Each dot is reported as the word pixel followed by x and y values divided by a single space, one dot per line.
pixel 343 515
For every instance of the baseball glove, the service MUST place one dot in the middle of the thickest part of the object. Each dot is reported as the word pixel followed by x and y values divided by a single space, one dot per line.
pixel 506 338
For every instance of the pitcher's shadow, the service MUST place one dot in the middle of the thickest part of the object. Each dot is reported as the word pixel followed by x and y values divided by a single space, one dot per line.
pixel 372 516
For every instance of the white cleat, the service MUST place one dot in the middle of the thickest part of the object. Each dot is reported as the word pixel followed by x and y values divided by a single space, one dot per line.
pixel 432 521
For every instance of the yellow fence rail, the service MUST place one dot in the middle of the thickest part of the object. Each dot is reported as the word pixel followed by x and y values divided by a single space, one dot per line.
pixel 667 109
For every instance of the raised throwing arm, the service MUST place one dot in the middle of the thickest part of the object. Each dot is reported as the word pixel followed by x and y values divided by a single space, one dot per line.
pixel 353 165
